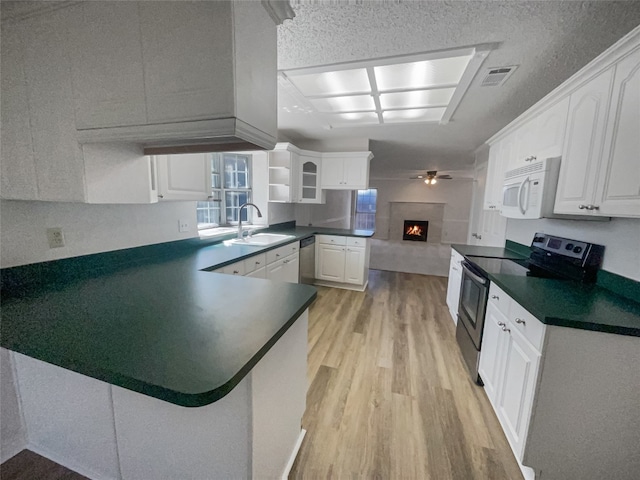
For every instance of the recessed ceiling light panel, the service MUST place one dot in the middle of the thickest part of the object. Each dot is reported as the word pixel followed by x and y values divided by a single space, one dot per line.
pixel 417 98
pixel 350 103
pixel 425 74
pixel 413 115
pixel 341 82
pixel 353 119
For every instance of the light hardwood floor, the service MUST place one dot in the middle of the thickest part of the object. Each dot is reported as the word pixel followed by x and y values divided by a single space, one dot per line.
pixel 389 396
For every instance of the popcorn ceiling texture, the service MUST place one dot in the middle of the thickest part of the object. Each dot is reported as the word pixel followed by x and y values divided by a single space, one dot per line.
pixel 550 40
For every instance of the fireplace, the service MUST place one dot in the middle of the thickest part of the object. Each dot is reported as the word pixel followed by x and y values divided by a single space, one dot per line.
pixel 415 230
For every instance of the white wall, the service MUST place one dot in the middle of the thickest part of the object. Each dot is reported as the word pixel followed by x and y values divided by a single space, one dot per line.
pixel 620 236
pixel 87 228
pixel 455 194
pixel 335 213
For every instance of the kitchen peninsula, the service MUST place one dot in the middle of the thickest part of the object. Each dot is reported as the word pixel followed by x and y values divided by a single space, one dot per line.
pixel 141 334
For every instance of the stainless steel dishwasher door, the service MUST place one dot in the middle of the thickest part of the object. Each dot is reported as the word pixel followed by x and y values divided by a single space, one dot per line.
pixel 308 260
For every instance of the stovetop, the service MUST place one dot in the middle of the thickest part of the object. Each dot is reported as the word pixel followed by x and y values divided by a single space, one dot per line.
pixel 504 266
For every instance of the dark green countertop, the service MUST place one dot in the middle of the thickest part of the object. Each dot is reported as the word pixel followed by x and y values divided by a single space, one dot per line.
pixel 490 252
pixel 150 320
pixel 572 304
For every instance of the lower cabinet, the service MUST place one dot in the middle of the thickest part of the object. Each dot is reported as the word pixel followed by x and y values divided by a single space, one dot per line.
pixel 281 264
pixel 453 287
pixel 342 260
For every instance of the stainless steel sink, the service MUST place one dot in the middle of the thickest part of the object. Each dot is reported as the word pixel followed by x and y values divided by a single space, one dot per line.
pixel 260 239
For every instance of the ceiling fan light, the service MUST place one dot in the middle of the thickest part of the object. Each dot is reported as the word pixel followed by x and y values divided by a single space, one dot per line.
pixel 433 181
pixel 426 180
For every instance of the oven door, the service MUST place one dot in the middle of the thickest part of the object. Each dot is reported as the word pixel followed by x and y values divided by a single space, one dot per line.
pixel 473 302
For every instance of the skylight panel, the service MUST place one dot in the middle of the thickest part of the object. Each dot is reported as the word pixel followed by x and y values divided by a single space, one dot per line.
pixel 413 115
pixel 417 98
pixel 335 83
pixel 351 103
pixel 425 74
pixel 353 119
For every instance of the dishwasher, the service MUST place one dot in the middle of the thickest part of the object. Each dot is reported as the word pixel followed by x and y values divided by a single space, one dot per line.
pixel 308 260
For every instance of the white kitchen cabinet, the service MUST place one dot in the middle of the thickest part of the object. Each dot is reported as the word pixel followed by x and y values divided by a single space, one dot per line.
pixel 345 170
pixel 354 266
pixel 583 145
pixel 600 170
pixel 309 185
pixel 342 261
pixel 184 177
pixel 291 268
pixel 499 155
pixel 276 271
pixel 258 273
pixel 234 269
pixel 618 183
pixel 453 286
pixel 330 262
pixel 541 137
pixel 492 353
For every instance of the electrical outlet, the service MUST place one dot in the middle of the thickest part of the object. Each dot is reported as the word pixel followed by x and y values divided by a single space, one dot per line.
pixel 55 237
pixel 183 225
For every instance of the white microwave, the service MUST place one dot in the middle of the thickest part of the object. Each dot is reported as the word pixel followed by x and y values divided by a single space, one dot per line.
pixel 530 191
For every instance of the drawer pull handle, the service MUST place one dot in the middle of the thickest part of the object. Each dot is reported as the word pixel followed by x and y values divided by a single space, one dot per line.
pixel 257 263
pixel 581 207
pixel 236 272
pixel 520 321
pixel 501 324
pixel 495 297
pixel 505 329
pixel 277 254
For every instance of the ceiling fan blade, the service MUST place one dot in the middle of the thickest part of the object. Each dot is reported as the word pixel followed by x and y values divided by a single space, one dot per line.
pixel 444 177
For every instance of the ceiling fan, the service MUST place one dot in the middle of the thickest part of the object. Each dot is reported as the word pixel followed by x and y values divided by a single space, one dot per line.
pixel 431 176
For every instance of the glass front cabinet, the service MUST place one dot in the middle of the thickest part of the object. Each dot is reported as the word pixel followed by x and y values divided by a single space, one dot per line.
pixel 309 182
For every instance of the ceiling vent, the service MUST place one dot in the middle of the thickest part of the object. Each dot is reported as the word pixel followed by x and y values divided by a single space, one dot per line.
pixel 496 76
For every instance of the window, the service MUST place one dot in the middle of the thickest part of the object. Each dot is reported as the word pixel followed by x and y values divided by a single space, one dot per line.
pixel 365 215
pixel 230 188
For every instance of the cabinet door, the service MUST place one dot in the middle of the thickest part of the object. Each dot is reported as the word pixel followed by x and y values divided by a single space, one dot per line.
pixel 309 188
pixel 515 399
pixel 186 73
pixel 291 268
pixel 107 74
pixel 525 141
pixel 356 174
pixel 259 273
pixel 492 352
pixel 354 265
pixel 276 271
pixel 330 262
pixel 18 162
pixel 184 177
pixel 234 269
pixel 618 191
pixel 550 128
pixel 332 173
pixel 583 145
pixel 499 156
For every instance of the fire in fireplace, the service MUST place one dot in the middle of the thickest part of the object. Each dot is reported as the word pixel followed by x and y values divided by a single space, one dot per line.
pixel 415 230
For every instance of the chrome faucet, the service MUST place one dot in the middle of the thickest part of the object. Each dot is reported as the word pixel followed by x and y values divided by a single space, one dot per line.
pixel 240 217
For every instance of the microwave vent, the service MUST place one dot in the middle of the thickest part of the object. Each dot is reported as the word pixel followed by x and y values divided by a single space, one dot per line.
pixel 532 168
pixel 496 76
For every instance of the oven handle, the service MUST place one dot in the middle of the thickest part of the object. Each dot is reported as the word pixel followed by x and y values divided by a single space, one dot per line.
pixel 520 190
pixel 480 280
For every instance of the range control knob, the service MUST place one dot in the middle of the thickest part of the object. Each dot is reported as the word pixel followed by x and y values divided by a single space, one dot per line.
pixel 569 246
pixel 538 239
pixel 577 249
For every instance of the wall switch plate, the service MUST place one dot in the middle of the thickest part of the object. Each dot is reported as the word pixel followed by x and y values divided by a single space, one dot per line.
pixel 183 225
pixel 55 236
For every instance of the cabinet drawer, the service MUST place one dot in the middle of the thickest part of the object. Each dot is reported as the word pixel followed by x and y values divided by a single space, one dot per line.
pixel 500 299
pixel 356 242
pixel 235 269
pixel 253 263
pixel 281 252
pixel 331 239
pixel 530 327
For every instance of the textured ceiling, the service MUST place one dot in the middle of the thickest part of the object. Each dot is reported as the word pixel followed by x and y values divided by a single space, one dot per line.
pixel 550 40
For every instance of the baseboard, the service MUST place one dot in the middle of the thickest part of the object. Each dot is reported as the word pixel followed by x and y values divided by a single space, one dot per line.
pixel 346 286
pixel 294 454
pixel 65 462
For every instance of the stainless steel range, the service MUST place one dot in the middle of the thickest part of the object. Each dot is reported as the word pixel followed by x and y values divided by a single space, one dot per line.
pixel 550 257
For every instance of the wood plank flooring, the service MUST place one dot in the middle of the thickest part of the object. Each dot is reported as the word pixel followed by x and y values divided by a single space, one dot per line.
pixel 389 395
pixel 27 465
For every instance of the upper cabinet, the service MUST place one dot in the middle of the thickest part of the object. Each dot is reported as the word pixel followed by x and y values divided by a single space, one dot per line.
pixel 600 173
pixel 345 171
pixel 309 187
pixel 593 122
pixel 283 173
pixel 90 88
pixel 174 73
